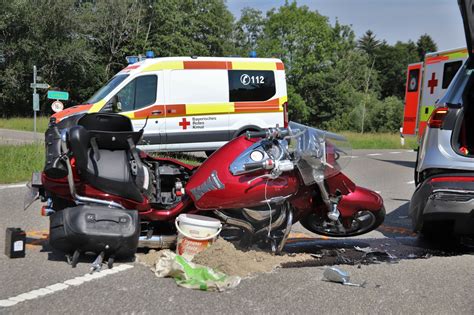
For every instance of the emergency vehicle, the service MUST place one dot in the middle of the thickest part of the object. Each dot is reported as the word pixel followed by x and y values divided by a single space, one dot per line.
pixel 194 103
pixel 426 83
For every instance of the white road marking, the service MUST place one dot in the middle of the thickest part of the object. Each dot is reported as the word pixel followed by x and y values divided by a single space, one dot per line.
pixel 61 286
pixel 395 152
pixel 374 154
pixel 12 186
pixel 411 182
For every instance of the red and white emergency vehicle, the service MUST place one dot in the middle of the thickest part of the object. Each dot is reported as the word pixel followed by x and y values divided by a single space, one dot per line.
pixel 194 103
pixel 426 83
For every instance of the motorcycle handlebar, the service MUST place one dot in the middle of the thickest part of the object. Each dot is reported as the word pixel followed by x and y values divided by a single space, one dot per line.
pixel 263 165
pixel 271 133
pixel 253 166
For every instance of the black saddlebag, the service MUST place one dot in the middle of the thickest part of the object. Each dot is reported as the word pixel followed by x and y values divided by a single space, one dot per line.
pixel 95 229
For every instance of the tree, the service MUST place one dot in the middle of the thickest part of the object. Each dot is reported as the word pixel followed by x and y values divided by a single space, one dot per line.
pixel 188 27
pixel 391 64
pixel 368 43
pixel 424 45
pixel 248 30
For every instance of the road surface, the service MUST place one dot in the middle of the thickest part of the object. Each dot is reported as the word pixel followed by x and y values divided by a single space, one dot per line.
pixel 427 279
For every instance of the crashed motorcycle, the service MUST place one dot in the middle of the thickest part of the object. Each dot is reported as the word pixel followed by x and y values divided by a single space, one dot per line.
pixel 104 195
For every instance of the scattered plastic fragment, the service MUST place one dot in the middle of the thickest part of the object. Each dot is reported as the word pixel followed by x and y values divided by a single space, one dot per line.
pixel 363 249
pixel 192 276
pixel 334 274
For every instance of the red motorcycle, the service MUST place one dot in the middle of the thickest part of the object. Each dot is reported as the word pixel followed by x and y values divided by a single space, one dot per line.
pixel 103 195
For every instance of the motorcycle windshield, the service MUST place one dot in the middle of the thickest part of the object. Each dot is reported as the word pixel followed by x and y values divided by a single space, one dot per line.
pixel 319 154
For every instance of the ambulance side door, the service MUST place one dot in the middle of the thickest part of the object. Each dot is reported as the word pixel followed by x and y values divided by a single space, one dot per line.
pixel 197 107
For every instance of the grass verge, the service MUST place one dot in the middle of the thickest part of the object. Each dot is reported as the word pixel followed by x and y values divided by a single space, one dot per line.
pixel 17 162
pixel 25 123
pixel 378 140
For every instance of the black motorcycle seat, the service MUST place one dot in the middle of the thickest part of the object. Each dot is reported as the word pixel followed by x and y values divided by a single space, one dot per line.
pixel 106 167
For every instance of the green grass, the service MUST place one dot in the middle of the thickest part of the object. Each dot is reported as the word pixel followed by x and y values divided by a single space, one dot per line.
pixel 24 123
pixel 379 140
pixel 17 162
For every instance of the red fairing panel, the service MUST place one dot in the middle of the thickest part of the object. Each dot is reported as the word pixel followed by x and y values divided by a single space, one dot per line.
pixel 233 192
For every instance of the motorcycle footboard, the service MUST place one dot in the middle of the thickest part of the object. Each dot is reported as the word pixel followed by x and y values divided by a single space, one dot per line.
pixel 90 228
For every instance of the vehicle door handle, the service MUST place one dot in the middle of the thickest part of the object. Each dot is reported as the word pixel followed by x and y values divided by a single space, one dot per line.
pixel 156 112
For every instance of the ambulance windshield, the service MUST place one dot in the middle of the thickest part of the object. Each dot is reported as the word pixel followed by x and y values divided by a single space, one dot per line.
pixel 107 88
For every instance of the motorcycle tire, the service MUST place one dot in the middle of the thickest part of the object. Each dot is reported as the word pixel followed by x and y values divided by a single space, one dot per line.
pixel 308 223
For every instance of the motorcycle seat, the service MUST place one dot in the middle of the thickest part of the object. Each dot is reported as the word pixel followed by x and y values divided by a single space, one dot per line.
pixel 103 160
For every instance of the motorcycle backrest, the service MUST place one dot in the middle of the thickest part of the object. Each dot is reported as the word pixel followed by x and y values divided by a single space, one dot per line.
pixel 106 122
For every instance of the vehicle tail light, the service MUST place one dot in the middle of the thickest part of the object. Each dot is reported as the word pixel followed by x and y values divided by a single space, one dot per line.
pixel 452 179
pixel 285 114
pixel 437 117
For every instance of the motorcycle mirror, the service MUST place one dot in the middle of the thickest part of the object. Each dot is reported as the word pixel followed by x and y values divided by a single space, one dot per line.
pixel 114 104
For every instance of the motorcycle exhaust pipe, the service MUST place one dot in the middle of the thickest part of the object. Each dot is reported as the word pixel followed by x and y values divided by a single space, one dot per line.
pixel 157 241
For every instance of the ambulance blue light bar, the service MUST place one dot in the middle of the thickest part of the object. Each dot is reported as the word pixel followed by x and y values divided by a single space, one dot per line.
pixel 253 54
pixel 131 59
pixel 150 54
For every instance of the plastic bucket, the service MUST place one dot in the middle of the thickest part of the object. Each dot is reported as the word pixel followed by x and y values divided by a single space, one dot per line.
pixel 195 234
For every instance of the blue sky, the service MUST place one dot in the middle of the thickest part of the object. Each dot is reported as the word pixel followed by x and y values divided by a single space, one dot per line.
pixel 391 20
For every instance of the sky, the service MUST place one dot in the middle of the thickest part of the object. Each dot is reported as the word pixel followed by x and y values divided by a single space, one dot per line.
pixel 392 20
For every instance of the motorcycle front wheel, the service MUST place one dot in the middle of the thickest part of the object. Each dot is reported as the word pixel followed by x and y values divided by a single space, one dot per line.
pixel 313 223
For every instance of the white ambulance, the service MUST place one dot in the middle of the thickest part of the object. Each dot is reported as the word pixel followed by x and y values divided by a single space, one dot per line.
pixel 195 103
pixel 426 83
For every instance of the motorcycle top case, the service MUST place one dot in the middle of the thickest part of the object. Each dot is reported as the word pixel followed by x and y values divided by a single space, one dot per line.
pixel 90 228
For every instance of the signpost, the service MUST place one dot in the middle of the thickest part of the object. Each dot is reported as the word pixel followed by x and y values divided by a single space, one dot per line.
pixel 34 86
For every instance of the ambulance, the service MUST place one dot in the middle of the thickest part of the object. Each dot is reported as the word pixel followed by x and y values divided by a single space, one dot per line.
pixel 194 103
pixel 426 83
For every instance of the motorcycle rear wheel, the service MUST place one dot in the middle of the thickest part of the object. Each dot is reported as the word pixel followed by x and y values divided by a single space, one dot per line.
pixel 310 222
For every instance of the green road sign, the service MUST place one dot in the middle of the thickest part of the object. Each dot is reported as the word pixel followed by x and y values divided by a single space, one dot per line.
pixel 58 95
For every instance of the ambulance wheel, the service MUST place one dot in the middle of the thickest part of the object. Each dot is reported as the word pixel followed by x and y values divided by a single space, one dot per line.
pixel 209 152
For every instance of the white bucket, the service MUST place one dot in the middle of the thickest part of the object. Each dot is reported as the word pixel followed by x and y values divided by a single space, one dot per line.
pixel 195 234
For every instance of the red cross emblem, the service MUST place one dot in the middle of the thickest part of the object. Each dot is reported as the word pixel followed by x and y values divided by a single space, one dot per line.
pixel 184 123
pixel 432 83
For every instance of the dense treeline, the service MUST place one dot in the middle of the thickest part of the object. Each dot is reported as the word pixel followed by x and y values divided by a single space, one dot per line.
pixel 334 80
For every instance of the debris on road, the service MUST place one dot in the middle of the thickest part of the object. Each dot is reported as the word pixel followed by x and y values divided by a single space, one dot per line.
pixel 337 275
pixel 223 256
pixel 192 276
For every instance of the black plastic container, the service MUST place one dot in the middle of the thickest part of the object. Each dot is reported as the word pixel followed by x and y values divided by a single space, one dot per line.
pixel 15 241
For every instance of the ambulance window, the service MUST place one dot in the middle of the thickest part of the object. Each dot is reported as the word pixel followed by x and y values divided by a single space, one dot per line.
pixel 107 88
pixel 251 85
pixel 413 76
pixel 450 70
pixel 139 93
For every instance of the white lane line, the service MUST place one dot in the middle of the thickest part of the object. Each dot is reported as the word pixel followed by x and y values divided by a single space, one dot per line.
pixel 395 152
pixel 12 186
pixel 411 182
pixel 374 154
pixel 61 286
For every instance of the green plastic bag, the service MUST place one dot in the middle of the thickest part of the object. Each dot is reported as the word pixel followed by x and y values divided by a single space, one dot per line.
pixel 192 276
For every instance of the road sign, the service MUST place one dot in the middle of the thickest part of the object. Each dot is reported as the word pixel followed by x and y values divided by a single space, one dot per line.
pixel 58 95
pixel 57 106
pixel 39 85
pixel 36 102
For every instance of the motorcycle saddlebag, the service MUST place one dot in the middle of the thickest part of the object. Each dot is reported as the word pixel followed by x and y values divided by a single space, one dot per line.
pixel 91 228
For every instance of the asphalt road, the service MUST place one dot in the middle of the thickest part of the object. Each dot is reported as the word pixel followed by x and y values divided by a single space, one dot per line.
pixel 17 137
pixel 427 278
